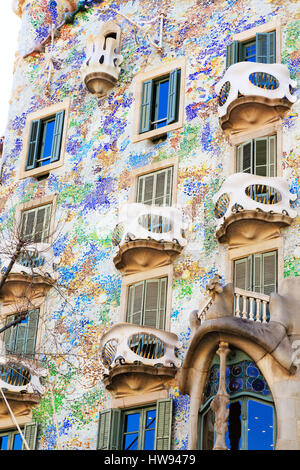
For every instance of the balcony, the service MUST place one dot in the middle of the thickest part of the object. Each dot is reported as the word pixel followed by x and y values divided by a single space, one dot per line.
pixel 102 68
pixel 21 375
pixel 138 358
pixel 34 270
pixel 249 207
pixel 253 94
pixel 147 237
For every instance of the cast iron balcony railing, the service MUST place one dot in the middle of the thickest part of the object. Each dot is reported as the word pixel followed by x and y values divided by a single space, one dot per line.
pixel 248 89
pixel 243 195
pixel 147 236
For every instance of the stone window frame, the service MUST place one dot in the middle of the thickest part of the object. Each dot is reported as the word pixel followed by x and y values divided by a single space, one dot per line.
pixel 44 113
pixel 128 280
pixel 273 25
pixel 265 131
pixel 251 249
pixel 154 73
pixel 152 168
pixel 34 204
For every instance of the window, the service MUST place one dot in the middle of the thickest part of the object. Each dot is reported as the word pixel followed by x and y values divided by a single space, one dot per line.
pixel 156 188
pixel 261 49
pixel 160 101
pixel 257 156
pixel 12 439
pixel 35 223
pixel 251 420
pixel 257 272
pixel 22 338
pixel 145 428
pixel 45 141
pixel 146 303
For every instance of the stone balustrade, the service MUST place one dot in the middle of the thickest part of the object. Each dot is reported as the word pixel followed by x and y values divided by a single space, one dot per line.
pixel 127 343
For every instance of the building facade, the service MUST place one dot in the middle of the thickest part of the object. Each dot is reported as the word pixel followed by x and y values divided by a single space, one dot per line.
pixel 149 202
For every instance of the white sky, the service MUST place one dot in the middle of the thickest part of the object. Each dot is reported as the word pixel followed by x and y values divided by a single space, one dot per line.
pixel 10 25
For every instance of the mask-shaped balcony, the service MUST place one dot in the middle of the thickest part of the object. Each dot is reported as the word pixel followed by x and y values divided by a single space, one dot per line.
pixel 138 358
pixel 102 67
pixel 20 375
pixel 32 273
pixel 147 237
pixel 250 207
pixel 253 94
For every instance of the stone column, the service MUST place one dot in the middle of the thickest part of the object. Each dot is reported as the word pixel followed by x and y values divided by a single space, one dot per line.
pixel 221 400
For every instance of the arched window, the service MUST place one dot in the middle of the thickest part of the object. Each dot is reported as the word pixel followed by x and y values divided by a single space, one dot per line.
pixel 251 420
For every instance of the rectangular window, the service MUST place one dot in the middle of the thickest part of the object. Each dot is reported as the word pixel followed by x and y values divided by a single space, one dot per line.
pixel 45 141
pixel 21 339
pixel 261 49
pixel 156 188
pixel 147 302
pixel 12 440
pixel 257 273
pixel 144 428
pixel 35 223
pixel 160 101
pixel 257 156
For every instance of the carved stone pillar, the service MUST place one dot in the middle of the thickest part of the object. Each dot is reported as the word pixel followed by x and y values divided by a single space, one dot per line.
pixel 221 400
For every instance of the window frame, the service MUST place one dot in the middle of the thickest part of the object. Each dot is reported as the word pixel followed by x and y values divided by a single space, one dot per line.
pixel 45 233
pixel 41 115
pixel 142 424
pixel 251 280
pixel 253 165
pixel 153 75
pixel 249 34
pixel 130 279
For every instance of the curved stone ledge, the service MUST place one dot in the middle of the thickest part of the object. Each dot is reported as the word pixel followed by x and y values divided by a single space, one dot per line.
pixel 140 255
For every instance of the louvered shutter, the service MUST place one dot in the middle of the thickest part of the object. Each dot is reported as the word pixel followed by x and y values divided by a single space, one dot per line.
pixel 150 317
pixel 109 430
pixel 146 106
pixel 233 53
pixel 271 48
pixel 135 303
pixel 242 273
pixel 263 51
pixel 173 96
pixel 28 224
pixel 9 336
pixel 261 156
pixel 272 160
pixel 148 188
pixel 163 424
pixel 42 223
pixel 31 333
pixel 269 272
pixel 34 141
pixel 162 304
pixel 257 273
pixel 244 157
pixel 57 136
pixel 30 435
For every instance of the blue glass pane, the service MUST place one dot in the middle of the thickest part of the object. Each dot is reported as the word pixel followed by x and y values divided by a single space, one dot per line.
pixel 132 422
pixel 131 441
pixel 149 440
pixel 3 442
pixel 162 111
pixel 150 419
pixel 17 445
pixel 49 130
pixel 260 426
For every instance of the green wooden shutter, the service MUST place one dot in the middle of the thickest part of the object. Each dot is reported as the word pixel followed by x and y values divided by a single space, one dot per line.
pixel 28 224
pixel 57 136
pixel 146 106
pixel 244 157
pixel 150 313
pixel 272 156
pixel 109 430
pixel 233 53
pixel 266 48
pixel 42 223
pixel 163 424
pixel 257 273
pixel 173 96
pixel 30 434
pixel 34 141
pixel 135 303
pixel 31 333
pixel 261 156
pixel 242 273
pixel 269 272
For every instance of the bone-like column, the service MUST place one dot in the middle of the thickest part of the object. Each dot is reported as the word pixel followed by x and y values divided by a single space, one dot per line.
pixel 221 400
